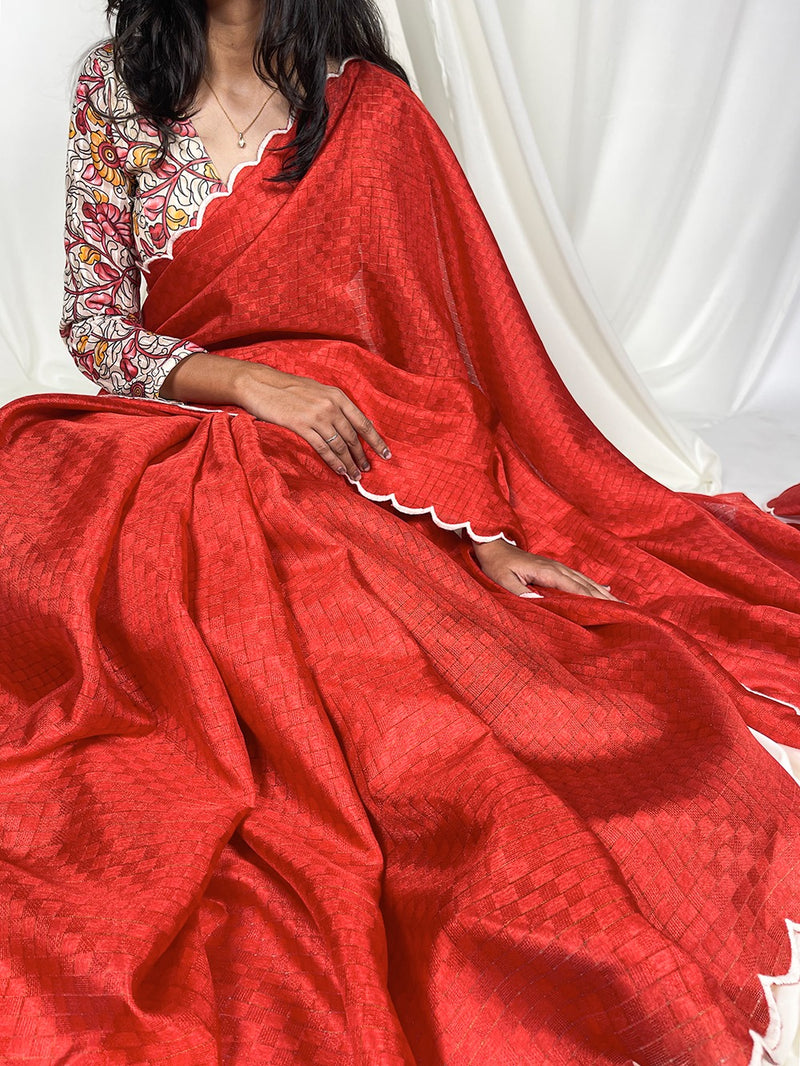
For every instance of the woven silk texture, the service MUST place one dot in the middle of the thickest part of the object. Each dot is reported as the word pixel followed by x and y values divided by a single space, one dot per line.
pixel 285 778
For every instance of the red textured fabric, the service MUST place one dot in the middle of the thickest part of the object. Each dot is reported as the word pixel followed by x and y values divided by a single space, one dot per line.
pixel 787 505
pixel 285 777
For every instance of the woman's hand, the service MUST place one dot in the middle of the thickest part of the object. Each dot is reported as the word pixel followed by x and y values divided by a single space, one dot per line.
pixel 516 569
pixel 313 411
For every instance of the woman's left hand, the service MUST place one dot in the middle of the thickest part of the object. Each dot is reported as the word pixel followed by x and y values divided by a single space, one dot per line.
pixel 516 569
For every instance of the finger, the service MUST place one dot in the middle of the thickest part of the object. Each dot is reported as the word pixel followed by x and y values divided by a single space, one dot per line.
pixel 584 586
pixel 565 580
pixel 350 437
pixel 338 445
pixel 511 581
pixel 570 583
pixel 594 588
pixel 365 428
pixel 323 449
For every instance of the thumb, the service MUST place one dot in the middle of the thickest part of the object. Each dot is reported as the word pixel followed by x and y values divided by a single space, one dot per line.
pixel 517 584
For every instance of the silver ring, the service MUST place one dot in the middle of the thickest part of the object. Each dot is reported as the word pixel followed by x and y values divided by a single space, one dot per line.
pixel 329 439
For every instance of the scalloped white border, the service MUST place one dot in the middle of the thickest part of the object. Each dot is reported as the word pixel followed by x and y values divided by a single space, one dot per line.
pixel 168 251
pixel 772 699
pixel 769 1044
pixel 452 526
pixel 426 510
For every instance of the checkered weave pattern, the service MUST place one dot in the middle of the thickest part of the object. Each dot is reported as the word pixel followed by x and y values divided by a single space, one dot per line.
pixel 285 778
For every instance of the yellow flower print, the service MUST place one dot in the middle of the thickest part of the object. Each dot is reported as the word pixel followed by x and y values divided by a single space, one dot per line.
pixel 72 131
pixel 143 155
pixel 100 350
pixel 89 255
pixel 81 345
pixel 210 172
pixel 99 197
pixel 176 217
pixel 105 158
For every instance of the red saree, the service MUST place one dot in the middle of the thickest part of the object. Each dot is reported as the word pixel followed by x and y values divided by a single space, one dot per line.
pixel 286 778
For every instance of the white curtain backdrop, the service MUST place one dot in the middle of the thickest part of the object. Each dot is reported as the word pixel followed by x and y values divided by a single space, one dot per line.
pixel 638 162
pixel 636 159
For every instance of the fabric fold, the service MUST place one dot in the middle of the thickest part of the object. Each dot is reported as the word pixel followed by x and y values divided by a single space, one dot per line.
pixel 787 505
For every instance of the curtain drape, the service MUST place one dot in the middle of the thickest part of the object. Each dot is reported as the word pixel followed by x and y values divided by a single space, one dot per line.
pixel 637 161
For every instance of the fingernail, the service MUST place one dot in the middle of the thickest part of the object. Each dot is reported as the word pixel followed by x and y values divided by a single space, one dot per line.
pixel 342 470
pixel 365 466
pixel 357 476
pixel 387 454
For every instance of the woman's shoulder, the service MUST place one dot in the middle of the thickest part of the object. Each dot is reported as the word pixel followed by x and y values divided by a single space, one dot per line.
pixel 391 104
pixel 99 83
pixel 394 120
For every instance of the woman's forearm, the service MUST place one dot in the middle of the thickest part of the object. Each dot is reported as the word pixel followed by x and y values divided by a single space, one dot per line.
pixel 207 378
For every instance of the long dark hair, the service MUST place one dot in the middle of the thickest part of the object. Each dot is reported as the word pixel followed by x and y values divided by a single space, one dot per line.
pixel 160 55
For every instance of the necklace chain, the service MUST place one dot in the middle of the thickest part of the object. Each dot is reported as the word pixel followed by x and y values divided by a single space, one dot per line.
pixel 240 133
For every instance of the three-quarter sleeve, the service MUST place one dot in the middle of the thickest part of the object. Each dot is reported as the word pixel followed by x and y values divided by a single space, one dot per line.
pixel 101 320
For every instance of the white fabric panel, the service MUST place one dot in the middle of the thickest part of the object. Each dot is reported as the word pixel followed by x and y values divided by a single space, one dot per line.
pixel 662 143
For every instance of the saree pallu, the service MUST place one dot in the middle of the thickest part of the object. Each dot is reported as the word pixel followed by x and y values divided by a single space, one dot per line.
pixel 285 777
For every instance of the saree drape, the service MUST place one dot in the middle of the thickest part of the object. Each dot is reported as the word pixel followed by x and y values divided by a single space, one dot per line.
pixel 286 777
pixel 787 505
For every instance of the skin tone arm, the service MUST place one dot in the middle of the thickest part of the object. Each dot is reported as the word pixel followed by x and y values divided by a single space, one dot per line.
pixel 312 410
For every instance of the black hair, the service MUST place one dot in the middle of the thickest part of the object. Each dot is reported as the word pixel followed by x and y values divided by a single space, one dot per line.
pixel 160 55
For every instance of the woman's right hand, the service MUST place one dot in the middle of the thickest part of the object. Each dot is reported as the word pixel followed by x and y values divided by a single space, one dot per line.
pixel 314 412
pixel 310 409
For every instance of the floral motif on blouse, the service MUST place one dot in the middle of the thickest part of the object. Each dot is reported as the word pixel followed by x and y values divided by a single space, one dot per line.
pixel 122 212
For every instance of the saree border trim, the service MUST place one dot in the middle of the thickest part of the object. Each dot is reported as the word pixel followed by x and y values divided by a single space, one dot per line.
pixel 773 699
pixel 426 510
pixel 766 1047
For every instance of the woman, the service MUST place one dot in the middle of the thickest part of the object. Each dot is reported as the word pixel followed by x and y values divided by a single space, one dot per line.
pixel 311 756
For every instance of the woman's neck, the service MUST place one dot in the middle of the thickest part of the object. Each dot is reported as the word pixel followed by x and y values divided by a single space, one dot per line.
pixel 232 30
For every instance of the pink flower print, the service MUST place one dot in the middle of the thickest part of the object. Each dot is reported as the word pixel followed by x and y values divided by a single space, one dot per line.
pixel 99 301
pixel 80 115
pixel 102 220
pixel 157 235
pixel 154 207
pixel 129 369
pixel 107 272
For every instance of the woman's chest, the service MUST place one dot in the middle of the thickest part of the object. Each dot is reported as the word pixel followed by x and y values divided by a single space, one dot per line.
pixel 168 196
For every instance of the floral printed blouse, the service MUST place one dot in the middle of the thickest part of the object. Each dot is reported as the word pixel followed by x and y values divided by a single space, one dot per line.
pixel 123 212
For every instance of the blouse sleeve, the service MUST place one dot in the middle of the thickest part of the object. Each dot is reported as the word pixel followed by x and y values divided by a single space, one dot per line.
pixel 101 319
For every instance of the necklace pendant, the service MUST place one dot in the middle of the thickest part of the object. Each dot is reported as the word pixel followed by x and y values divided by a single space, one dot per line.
pixel 242 142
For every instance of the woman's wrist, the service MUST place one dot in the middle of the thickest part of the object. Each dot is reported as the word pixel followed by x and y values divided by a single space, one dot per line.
pixel 207 378
pixel 485 548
